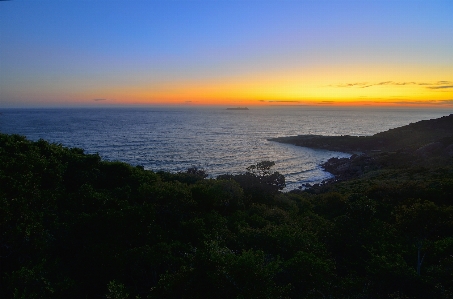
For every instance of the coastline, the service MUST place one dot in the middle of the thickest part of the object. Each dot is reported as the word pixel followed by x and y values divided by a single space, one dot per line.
pixel 425 143
pixel 406 138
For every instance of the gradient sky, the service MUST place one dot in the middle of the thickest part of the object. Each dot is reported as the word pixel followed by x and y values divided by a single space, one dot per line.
pixel 226 52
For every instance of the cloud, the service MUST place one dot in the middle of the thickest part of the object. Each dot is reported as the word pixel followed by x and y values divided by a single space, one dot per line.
pixel 386 83
pixel 283 101
pixel 437 85
pixel 444 102
pixel 404 83
pixel 366 84
pixel 429 102
pixel 351 84
pixel 393 83
pixel 99 100
pixel 440 87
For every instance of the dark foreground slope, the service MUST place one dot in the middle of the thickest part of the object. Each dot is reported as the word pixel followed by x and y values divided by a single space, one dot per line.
pixel 434 134
pixel 74 226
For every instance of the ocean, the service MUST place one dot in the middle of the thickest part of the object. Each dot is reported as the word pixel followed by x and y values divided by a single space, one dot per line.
pixel 218 140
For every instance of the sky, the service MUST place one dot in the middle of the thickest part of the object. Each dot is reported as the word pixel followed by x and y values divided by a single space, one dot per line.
pixel 244 52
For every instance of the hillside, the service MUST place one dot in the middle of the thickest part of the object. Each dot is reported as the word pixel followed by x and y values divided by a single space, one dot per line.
pixel 74 226
pixel 435 135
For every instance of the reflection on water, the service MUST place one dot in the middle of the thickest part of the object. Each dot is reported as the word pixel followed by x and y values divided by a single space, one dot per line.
pixel 218 140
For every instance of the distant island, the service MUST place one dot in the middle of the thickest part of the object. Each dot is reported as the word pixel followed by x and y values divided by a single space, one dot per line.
pixel 238 108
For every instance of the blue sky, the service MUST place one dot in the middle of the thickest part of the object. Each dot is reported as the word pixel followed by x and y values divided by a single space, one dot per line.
pixel 153 52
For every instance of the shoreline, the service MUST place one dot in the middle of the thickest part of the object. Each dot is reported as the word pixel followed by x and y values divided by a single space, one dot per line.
pixel 422 143
pixel 415 137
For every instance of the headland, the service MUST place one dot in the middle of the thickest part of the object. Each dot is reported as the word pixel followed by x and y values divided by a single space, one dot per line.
pixel 238 108
pixel 410 138
pixel 424 143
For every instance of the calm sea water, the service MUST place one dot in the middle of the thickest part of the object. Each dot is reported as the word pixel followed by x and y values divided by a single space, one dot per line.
pixel 220 141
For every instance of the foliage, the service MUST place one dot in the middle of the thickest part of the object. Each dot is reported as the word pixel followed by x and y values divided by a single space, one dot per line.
pixel 74 226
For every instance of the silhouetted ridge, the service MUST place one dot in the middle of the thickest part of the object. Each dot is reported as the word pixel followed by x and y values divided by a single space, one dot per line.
pixel 407 138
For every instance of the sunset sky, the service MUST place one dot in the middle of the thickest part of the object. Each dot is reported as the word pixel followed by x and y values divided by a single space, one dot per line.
pixel 60 53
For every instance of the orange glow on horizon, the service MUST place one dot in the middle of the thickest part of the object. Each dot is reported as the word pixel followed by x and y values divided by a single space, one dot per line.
pixel 341 86
pixel 253 93
pixel 319 87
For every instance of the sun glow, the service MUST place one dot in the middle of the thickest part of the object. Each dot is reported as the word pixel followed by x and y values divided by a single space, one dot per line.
pixel 291 89
pixel 309 54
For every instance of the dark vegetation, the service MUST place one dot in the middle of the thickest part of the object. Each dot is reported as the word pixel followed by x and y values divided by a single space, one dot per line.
pixel 433 134
pixel 74 226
